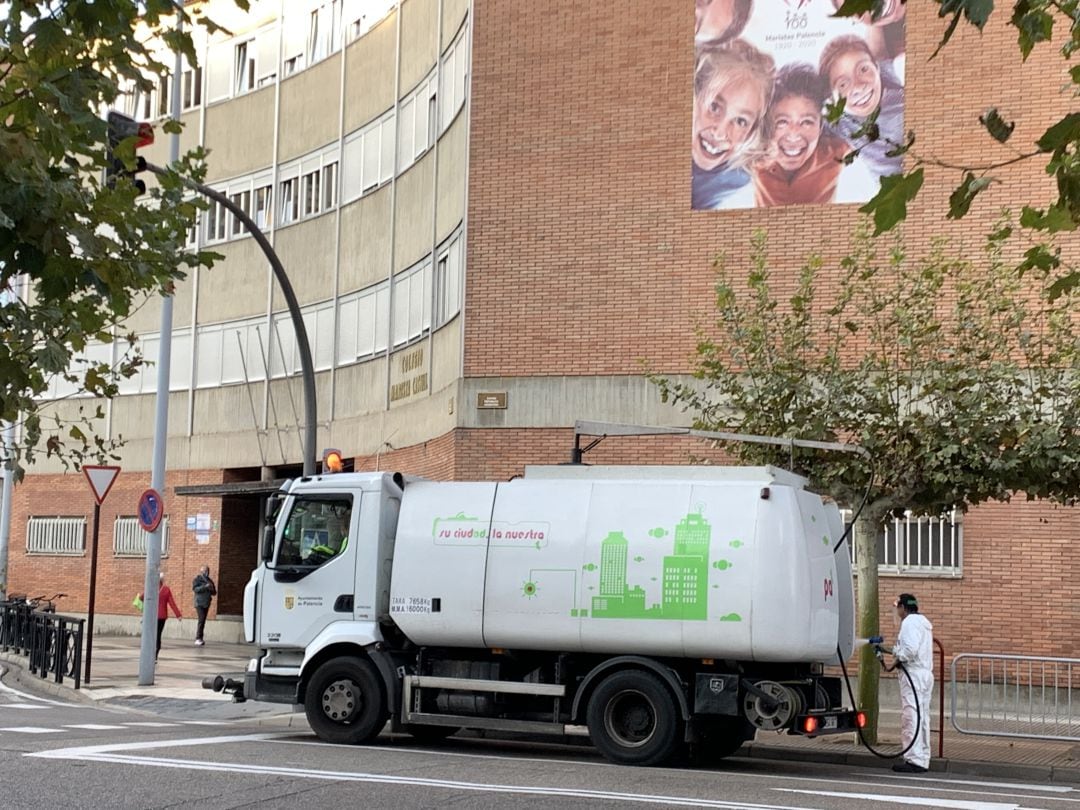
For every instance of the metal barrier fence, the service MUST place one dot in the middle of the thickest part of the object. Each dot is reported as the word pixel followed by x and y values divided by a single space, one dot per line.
pixel 1016 696
pixel 52 643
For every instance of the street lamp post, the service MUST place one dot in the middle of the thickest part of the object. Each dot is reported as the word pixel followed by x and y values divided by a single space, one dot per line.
pixel 307 367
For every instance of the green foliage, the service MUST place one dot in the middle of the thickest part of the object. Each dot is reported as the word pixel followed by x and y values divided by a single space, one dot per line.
pixel 962 384
pixel 81 256
pixel 996 126
pixel 961 198
pixel 889 205
pixel 1034 21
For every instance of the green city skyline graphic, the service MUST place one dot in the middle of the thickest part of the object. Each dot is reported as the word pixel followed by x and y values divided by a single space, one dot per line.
pixel 684 584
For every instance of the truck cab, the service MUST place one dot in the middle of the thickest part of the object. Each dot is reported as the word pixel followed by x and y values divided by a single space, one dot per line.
pixel 325 574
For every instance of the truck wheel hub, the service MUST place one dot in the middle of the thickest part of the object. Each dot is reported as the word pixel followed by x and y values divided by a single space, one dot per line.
pixel 341 701
pixel 630 719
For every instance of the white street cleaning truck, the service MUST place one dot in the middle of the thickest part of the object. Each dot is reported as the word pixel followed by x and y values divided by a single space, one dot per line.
pixel 653 606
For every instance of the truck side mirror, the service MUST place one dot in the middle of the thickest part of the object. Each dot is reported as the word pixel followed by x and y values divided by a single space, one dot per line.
pixel 268 543
pixel 273 503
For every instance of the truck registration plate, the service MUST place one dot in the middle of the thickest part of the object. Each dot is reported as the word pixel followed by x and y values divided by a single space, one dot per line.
pixel 830 722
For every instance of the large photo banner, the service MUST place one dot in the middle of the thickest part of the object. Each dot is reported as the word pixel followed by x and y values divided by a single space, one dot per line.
pixel 764 72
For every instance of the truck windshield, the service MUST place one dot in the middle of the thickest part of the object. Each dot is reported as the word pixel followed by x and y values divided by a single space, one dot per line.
pixel 317 530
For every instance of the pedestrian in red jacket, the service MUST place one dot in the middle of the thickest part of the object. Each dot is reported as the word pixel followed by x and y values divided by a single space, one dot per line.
pixel 165 600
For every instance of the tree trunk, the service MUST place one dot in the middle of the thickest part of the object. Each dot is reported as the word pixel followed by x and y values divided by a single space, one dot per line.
pixel 866 531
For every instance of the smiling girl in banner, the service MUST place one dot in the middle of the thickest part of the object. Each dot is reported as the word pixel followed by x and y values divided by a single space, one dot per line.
pixel 732 86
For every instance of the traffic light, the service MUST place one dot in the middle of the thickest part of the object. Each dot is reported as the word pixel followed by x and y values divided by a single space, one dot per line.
pixel 121 127
pixel 332 461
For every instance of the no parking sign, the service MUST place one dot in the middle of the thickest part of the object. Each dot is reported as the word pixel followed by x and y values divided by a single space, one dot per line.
pixel 151 509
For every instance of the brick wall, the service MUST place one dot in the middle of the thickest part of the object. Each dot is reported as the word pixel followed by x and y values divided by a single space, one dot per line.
pixel 1019 592
pixel 584 256
pixel 119 579
pixel 583 253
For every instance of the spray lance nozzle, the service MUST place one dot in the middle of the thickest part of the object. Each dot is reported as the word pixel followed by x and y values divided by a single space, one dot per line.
pixel 873 640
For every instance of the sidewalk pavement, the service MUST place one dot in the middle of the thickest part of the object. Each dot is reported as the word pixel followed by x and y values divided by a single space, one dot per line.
pixel 181 668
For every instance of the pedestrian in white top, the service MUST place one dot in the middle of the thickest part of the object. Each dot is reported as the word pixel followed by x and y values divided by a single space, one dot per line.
pixel 914 649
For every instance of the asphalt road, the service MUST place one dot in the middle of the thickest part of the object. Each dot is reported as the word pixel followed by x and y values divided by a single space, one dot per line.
pixel 201 754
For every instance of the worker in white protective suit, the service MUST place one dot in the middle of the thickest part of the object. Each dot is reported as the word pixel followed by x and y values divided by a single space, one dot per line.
pixel 914 649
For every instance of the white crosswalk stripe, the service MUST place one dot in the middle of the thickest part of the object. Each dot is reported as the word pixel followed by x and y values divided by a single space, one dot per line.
pixel 152 725
pixel 33 730
pixel 21 706
pixel 93 726
pixel 205 722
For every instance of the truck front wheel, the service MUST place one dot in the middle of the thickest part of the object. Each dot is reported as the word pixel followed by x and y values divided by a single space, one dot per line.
pixel 344 701
pixel 633 719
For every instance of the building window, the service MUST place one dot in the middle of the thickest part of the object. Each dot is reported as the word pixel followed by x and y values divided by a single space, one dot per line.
pixel 56 535
pixel 263 201
pixel 245 67
pixel 335 25
pixel 358 27
pixel 432 121
pixel 329 184
pixel 442 311
pixel 920 544
pixel 293 64
pixel 164 88
pixel 311 193
pixel 243 202
pixel 289 201
pixel 215 222
pixel 193 234
pixel 192 96
pixel 369 175
pixel 129 539
pixel 145 105
pixel 316 44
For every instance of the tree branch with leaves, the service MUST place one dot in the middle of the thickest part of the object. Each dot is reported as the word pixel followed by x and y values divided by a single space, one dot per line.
pixel 1035 22
pixel 75 254
pixel 962 383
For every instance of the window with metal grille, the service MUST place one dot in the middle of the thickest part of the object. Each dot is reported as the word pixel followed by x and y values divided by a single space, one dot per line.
pixel 129 539
pixel 920 544
pixel 56 535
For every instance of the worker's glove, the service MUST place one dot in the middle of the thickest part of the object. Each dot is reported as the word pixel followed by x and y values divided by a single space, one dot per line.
pixel 879 654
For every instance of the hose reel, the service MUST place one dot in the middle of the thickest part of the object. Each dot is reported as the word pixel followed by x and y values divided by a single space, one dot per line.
pixel 770 706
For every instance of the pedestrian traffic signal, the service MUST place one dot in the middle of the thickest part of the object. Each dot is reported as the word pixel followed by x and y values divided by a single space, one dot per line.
pixel 120 128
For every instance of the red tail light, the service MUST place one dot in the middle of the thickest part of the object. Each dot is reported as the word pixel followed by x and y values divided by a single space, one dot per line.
pixel 810 725
pixel 860 719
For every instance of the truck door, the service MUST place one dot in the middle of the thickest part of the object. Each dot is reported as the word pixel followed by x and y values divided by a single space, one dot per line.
pixel 311 582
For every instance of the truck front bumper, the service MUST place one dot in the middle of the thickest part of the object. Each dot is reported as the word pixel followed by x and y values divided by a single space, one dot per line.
pixel 269 688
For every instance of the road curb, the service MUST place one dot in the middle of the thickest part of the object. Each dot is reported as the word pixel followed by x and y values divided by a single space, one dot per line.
pixel 14 671
pixel 999 770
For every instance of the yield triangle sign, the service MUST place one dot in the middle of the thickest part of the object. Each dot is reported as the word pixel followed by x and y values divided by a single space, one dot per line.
pixel 101 480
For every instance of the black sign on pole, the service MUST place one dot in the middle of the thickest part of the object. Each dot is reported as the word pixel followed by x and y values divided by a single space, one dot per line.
pixel 101 480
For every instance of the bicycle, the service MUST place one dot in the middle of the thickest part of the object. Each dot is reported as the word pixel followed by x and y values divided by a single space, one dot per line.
pixel 43 605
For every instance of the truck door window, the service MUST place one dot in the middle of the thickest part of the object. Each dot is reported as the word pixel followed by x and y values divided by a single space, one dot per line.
pixel 317 531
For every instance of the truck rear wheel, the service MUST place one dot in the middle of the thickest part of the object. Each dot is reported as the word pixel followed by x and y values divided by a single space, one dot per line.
pixel 344 701
pixel 633 719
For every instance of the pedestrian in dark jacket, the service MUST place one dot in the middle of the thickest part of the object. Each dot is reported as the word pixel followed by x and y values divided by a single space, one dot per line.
pixel 205 591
